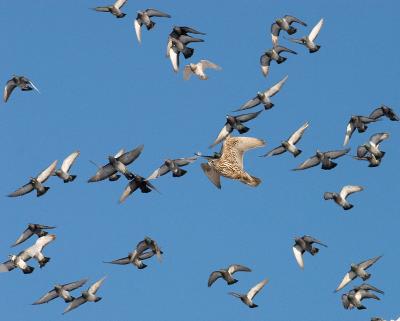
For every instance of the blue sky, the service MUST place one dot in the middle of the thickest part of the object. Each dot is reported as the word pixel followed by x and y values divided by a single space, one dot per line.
pixel 101 91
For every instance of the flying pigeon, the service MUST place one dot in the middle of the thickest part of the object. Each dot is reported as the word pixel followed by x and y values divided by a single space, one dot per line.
pixel 359 123
pixel 273 54
pixel 17 81
pixel 63 172
pixel 323 158
pixel 143 18
pixel 32 229
pixel 308 41
pixel 304 244
pixel 226 274
pixel 248 298
pixel 340 198
pixel 284 24
pixel 384 111
pixel 62 291
pixel 114 9
pixel 198 69
pixel 174 166
pixel 137 182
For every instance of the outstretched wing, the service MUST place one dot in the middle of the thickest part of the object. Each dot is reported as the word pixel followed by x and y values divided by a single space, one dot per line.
pixel 311 162
pixel 315 31
pixel 131 156
pixel 291 19
pixel 156 13
pixel 8 89
pixel 74 285
pixel 366 264
pixel 138 30
pixel 43 176
pixel 22 190
pixel 212 174
pixel 103 173
pixel 129 189
pixel 47 297
pixel 378 138
pixel 350 189
pixel 74 304
pixel 349 131
pixel 23 237
pixel 238 268
pixel 276 151
pixel 254 290
pixel 224 133
pixel 298 254
pixel 119 3
pixel 298 134
pixel 122 261
pixel 67 163
pixel 336 153
pixel 276 88
pixel 214 276
pixel 346 280
pixel 94 287
pixel 209 64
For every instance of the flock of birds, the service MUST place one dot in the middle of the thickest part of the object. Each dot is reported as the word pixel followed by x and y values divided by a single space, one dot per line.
pixel 228 162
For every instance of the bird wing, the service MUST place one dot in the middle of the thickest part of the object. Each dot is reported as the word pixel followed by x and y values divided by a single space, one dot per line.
pixel 67 163
pixel 237 267
pixel 366 264
pixel 361 151
pixel 95 286
pixel 47 297
pixel 257 288
pixel 378 138
pixel 156 13
pixel 120 152
pixel 36 248
pixel 187 72
pixel 350 189
pixel 6 266
pixel 280 49
pixel 275 29
pixel 102 9
pixel 74 285
pixel 298 254
pixel 310 239
pixel 103 173
pixel 122 261
pixel 368 287
pixel 276 88
pixel 311 162
pixel 119 3
pixel 129 157
pixel 214 276
pixel 22 190
pixel 377 113
pixel 162 170
pixel 8 89
pixel 246 117
pixel 185 160
pixel 43 176
pixel 209 64
pixel 138 30
pixel 23 237
pixel 75 303
pixel 129 189
pixel 250 104
pixel 225 131
pixel 347 278
pixel 298 134
pixel 349 131
pixel 212 174
pixel 336 153
pixel 173 54
pixel 291 19
pixel 276 151
pixel 315 31
pixel 265 61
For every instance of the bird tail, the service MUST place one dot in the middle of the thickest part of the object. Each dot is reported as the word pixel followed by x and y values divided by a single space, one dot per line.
pixel 40 193
pixel 315 49
pixel 291 30
pixel 242 128
pixel 70 179
pixel 180 172
pixel 28 269
pixel 281 59
pixel 150 25
pixel 187 52
pixel 251 180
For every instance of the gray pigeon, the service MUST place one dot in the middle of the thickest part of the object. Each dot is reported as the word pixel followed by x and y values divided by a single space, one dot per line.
pixel 35 183
pixel 61 291
pixel 308 41
pixel 174 166
pixel 32 229
pixel 143 18
pixel 248 298
pixel 114 9
pixel 284 24
pixel 359 123
pixel 87 296
pixel 384 111
pixel 358 270
pixel 353 298
pixel 63 172
pixel 372 147
pixel 117 164
pixel 115 176
pixel 324 158
pixel 17 81
pixel 137 182
pixel 304 244
pixel 289 145
pixel 226 274
pixel 264 97
pixel 179 45
pixel 340 198
pixel 234 122
pixel 273 54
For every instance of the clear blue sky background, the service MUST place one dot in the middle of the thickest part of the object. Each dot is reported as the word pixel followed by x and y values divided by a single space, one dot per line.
pixel 101 91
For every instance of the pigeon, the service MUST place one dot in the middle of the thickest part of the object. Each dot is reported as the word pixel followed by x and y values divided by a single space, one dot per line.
pixel 308 41
pixel 384 111
pixel 373 161
pixel 34 251
pixel 358 270
pixel 234 122
pixel 304 244
pixel 340 198
pixel 284 24
pixel 248 298
pixel 372 146
pixel 139 254
pixel 63 173
pixel 359 123
pixel 87 296
pixel 32 229
pixel 354 297
pixel 264 97
pixel 62 291
pixel 137 182
pixel 226 274
pixel 174 166
pixel 178 31
pixel 113 177
pixel 35 183
pixel 289 145
pixel 177 46
pixel 198 69
pixel 115 9
pixel 230 164
pixel 324 158
pixel 143 18
pixel 18 81
pixel 117 164
pixel 273 54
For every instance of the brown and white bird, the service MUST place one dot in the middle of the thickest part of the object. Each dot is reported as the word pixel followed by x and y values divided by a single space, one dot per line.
pixel 198 69
pixel 230 164
pixel 143 18
pixel 341 198
pixel 18 81
pixel 249 296
pixel 227 274
pixel 63 172
pixel 35 183
pixel 114 9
